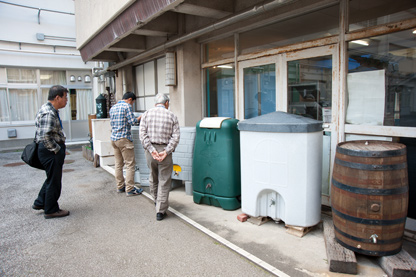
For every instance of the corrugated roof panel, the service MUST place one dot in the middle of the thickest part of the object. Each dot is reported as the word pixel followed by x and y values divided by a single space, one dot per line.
pixel 139 11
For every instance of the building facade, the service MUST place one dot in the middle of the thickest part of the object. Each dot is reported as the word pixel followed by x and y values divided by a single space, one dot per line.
pixel 38 50
pixel 348 63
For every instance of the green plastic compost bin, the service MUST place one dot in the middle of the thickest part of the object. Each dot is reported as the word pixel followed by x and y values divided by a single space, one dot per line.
pixel 216 163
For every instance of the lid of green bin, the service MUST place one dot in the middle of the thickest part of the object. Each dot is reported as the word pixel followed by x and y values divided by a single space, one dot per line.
pixel 212 122
pixel 280 122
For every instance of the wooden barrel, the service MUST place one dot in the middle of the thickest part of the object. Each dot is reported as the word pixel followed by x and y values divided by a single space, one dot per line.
pixel 369 196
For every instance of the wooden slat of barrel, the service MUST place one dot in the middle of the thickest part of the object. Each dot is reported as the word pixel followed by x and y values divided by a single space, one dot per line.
pixel 369 196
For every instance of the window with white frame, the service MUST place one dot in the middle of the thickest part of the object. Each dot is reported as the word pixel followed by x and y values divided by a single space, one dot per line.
pixel 25 91
pixel 4 109
pixel 150 80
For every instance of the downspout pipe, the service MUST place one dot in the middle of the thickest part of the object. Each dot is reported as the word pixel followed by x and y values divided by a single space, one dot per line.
pixel 221 24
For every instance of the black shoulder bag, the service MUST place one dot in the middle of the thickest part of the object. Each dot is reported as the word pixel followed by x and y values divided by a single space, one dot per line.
pixel 30 155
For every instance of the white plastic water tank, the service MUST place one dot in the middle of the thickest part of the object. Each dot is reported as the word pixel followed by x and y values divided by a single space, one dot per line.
pixel 281 168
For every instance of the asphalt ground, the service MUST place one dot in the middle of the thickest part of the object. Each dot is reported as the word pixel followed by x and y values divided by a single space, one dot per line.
pixel 106 234
pixel 109 234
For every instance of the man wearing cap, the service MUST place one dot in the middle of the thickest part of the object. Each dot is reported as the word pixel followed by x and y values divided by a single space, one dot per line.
pixel 159 135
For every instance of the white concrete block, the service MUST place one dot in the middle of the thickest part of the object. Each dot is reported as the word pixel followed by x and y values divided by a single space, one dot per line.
pixel 103 148
pixel 108 160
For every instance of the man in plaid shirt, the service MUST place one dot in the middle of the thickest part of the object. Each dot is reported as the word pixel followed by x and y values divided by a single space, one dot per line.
pixel 121 120
pixel 159 135
pixel 50 137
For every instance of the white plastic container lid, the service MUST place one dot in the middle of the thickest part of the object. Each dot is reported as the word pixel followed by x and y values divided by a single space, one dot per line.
pixel 212 122
pixel 280 122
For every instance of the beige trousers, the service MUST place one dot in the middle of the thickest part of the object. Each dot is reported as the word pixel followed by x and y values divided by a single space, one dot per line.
pixel 124 156
pixel 160 179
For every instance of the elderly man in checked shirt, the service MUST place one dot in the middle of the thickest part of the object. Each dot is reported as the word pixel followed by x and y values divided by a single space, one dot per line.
pixel 159 135
pixel 121 120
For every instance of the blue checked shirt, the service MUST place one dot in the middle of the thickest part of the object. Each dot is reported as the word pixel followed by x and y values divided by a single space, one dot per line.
pixel 48 128
pixel 121 119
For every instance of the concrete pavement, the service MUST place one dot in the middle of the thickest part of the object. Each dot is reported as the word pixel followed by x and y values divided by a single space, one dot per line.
pixel 106 234
pixel 109 234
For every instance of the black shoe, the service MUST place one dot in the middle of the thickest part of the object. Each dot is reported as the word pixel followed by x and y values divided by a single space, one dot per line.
pixel 160 216
pixel 60 213
pixel 37 207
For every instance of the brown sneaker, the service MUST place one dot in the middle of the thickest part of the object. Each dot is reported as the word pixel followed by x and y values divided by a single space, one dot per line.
pixel 60 213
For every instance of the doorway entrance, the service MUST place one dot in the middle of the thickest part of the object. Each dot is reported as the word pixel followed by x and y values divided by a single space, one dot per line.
pixel 75 115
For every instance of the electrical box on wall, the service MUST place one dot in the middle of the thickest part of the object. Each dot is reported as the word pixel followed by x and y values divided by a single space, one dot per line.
pixel 11 133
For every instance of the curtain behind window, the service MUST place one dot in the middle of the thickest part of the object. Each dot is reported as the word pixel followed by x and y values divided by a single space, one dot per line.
pixel 23 104
pixel 85 103
pixel 49 77
pixel 20 75
pixel 4 110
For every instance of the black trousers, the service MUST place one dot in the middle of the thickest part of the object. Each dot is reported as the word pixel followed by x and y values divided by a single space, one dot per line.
pixel 51 189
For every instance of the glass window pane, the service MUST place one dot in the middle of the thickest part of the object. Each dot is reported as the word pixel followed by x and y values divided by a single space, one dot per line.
pixel 50 77
pixel 382 82
pixel 140 104
pixel 4 107
pixel 149 78
pixel 259 90
pixel 161 76
pixel 45 93
pixel 220 91
pixel 310 88
pixel 368 13
pixel 219 49
pixel 149 102
pixel 20 75
pixel 84 103
pixel 313 25
pixel 140 80
pixel 23 104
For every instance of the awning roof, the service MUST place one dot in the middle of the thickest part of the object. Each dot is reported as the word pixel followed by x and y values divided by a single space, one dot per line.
pixel 138 14
pixel 148 27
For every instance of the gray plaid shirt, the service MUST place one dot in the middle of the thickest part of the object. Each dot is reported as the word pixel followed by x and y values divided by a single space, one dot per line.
pixel 48 128
pixel 159 126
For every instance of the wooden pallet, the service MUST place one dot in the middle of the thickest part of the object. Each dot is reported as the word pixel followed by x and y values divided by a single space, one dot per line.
pixel 259 220
pixel 87 153
pixel 340 259
pixel 399 265
pixel 298 231
pixel 96 162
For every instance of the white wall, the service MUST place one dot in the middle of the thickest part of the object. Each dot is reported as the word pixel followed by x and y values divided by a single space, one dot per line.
pixel 104 11
pixel 19 47
pixel 22 23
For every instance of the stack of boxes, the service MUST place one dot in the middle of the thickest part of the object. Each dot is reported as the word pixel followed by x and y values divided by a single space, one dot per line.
pixel 101 130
